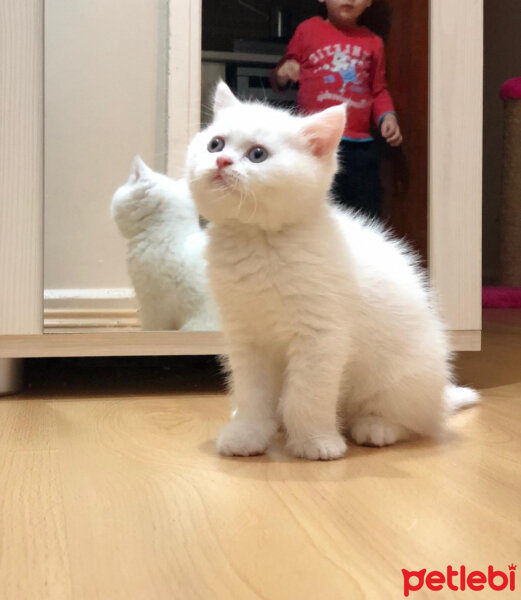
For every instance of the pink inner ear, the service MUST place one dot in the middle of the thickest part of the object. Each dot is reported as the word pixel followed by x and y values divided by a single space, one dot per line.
pixel 325 130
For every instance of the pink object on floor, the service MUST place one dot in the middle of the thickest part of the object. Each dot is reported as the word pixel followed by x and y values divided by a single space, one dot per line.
pixel 501 297
pixel 511 89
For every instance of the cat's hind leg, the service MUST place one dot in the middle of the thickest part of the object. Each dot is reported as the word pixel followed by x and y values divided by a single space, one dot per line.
pixel 413 406
pixel 374 430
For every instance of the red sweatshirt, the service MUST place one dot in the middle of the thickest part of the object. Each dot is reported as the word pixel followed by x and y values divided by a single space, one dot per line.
pixel 341 66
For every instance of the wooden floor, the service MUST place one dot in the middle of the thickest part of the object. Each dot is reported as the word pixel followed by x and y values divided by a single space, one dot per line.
pixel 110 488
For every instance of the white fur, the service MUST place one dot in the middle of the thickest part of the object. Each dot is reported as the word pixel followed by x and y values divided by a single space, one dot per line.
pixel 165 251
pixel 329 321
pixel 457 398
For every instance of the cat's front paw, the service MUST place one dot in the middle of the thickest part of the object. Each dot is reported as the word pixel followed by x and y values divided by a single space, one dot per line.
pixel 325 447
pixel 240 438
pixel 373 430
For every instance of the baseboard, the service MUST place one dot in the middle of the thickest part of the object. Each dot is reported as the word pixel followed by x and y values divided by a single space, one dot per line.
pixel 89 298
pixel 106 343
pixel 90 310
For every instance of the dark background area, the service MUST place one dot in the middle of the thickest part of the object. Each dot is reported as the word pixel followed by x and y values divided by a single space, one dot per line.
pixel 122 375
pixel 220 27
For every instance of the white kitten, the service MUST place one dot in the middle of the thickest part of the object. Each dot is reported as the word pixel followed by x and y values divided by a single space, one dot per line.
pixel 165 251
pixel 329 323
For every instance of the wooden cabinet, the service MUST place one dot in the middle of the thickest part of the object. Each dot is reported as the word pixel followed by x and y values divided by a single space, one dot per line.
pixel 455 155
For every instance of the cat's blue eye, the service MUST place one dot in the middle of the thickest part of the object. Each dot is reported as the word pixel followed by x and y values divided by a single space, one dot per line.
pixel 216 144
pixel 258 154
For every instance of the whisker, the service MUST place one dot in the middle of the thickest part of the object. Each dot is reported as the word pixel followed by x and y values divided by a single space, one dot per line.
pixel 256 203
pixel 243 196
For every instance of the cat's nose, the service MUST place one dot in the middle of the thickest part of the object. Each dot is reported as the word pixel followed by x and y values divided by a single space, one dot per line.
pixel 223 161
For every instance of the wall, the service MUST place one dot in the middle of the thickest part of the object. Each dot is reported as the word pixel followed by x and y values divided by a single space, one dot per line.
pixel 105 101
pixel 502 61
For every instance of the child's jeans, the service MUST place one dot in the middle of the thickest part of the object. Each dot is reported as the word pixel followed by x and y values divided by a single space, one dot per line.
pixel 357 182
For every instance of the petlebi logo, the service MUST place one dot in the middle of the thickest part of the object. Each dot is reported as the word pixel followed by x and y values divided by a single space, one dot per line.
pixel 460 580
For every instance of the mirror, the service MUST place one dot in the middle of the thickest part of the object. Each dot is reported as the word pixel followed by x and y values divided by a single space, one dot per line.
pixel 106 78
pixel 107 97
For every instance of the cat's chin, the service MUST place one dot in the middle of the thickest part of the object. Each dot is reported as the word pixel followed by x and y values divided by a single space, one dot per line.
pixel 216 205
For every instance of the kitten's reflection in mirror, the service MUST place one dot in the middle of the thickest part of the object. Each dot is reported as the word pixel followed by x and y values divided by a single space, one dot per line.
pixel 165 252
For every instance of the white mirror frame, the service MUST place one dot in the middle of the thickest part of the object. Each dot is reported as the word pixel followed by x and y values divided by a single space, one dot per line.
pixel 455 168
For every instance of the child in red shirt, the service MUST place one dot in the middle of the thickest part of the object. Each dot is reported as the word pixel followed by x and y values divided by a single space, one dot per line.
pixel 335 61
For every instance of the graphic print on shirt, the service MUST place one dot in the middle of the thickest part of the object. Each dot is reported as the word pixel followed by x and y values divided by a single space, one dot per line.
pixel 347 65
pixel 341 67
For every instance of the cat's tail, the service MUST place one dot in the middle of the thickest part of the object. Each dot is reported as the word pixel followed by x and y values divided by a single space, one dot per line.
pixel 457 398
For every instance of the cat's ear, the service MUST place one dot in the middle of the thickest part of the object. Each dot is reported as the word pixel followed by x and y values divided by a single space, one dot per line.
pixel 223 97
pixel 139 170
pixel 324 130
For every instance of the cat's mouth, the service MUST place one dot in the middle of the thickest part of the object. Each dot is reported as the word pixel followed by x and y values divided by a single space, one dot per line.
pixel 221 179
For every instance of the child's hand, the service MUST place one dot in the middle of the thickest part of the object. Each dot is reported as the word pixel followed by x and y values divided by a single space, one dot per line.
pixel 288 71
pixel 391 130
